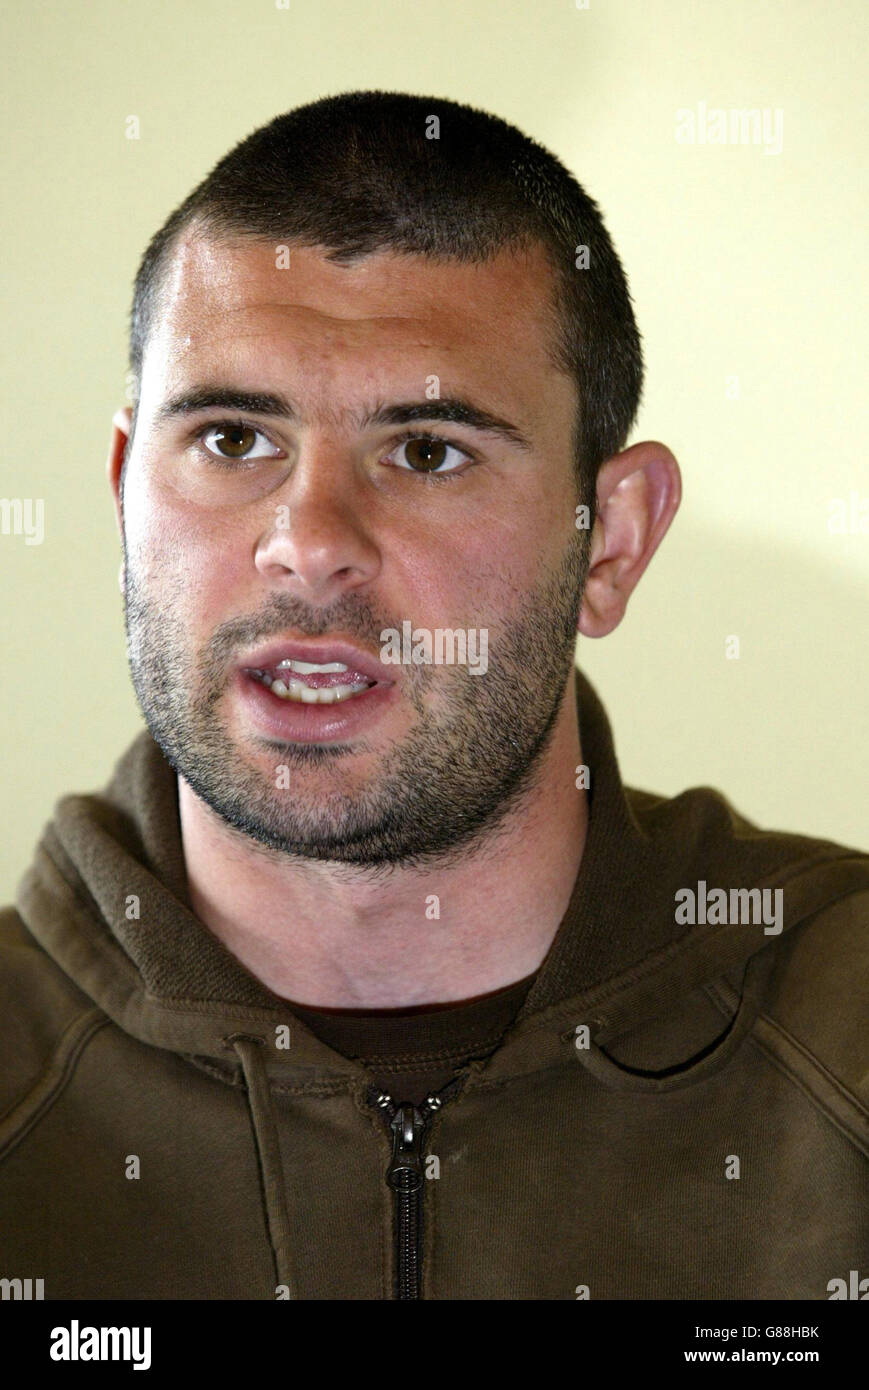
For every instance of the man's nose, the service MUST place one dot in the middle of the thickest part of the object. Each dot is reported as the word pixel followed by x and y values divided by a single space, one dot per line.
pixel 319 541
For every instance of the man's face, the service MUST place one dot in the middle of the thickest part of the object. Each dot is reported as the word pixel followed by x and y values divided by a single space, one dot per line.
pixel 249 534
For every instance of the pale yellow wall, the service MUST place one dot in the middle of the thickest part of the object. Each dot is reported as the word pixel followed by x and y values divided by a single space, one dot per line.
pixel 742 263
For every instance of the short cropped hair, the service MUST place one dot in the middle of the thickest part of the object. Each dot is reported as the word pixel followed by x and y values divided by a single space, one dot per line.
pixel 372 171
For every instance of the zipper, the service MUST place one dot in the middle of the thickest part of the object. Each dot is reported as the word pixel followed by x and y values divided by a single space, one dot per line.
pixel 409 1126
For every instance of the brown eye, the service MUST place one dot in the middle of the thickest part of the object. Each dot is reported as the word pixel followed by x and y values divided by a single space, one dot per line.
pixel 234 441
pixel 425 454
pixel 238 441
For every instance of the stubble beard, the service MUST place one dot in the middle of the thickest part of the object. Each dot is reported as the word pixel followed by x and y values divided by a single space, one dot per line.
pixel 442 792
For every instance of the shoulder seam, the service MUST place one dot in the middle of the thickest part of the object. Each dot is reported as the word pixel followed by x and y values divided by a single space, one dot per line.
pixel 25 1113
pixel 776 1045
pixel 775 1041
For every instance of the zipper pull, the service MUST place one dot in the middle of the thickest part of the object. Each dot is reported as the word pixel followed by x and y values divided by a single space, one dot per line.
pixel 404 1173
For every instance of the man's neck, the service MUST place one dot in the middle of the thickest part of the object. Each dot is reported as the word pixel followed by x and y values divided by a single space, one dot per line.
pixel 318 934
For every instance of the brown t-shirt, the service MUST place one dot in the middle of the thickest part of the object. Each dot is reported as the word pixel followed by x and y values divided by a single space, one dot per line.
pixel 412 1053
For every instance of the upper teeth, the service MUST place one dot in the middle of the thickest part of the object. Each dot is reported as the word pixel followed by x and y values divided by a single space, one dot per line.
pixel 307 668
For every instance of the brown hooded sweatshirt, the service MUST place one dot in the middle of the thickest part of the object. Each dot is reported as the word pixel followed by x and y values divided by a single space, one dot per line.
pixel 674 1107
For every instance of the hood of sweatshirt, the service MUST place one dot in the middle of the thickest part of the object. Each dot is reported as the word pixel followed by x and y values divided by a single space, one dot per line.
pixel 642 990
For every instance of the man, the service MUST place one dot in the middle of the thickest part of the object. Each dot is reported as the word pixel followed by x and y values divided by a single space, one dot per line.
pixel 366 977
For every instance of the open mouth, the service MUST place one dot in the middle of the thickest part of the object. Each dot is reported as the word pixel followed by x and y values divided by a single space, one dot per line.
pixel 309 683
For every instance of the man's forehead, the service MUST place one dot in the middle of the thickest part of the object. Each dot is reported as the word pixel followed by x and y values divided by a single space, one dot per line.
pixel 253 283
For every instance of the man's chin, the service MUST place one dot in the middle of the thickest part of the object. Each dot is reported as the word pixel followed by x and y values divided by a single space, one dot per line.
pixel 293 810
pixel 355 846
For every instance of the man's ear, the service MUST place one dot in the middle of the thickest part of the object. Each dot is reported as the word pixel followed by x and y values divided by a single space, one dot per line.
pixel 638 494
pixel 121 422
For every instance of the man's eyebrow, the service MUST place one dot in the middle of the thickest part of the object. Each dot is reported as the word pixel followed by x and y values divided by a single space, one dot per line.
pixel 452 409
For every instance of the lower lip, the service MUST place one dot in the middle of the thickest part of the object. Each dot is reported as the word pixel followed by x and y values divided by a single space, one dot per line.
pixel 291 721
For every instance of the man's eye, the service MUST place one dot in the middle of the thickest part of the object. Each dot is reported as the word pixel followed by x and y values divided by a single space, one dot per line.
pixel 426 453
pixel 238 442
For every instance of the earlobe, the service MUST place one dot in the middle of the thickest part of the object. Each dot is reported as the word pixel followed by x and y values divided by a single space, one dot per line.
pixel 603 607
